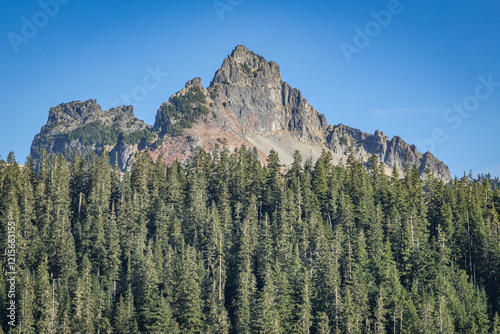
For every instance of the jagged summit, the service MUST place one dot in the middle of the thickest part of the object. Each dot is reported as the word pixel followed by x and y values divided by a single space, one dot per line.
pixel 78 113
pixel 85 128
pixel 196 82
pixel 245 68
pixel 263 103
pixel 247 103
pixel 241 51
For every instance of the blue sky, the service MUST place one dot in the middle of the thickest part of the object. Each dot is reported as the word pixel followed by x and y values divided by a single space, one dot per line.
pixel 407 73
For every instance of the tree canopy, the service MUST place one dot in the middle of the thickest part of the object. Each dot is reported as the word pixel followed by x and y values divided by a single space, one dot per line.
pixel 225 244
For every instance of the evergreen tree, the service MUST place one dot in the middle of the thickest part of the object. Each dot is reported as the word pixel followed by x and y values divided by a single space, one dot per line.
pixel 160 319
pixel 188 300
pixel 274 182
pixel 27 309
pixel 46 301
pixel 323 324
pixel 61 250
pixel 245 279
pixel 28 240
pixel 496 324
pixel 98 212
pixel 217 318
pixel 125 315
pixel 267 309
pixel 83 301
pixel 380 312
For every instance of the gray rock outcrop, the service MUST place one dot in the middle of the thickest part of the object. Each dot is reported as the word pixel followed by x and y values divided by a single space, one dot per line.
pixel 84 128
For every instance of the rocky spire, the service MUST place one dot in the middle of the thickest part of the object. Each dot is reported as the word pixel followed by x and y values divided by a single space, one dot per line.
pixel 245 68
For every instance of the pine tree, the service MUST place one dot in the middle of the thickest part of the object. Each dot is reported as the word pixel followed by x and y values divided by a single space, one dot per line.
pixel 309 197
pixel 196 203
pixel 77 190
pixel 320 182
pixel 125 315
pixel 245 279
pixel 98 213
pixel 294 175
pixel 304 307
pixel 42 202
pixel 127 227
pixel 140 199
pixel 3 291
pixel 496 324
pixel 160 319
pixel 409 318
pixel 28 306
pixel 10 210
pixel 323 324
pixel 274 182
pixel 46 301
pixel 28 240
pixel 64 324
pixel 267 309
pixel 359 285
pixel 83 301
pixel 443 317
pixel 102 307
pixel 217 318
pixel 188 301
pixel 427 315
pixel 380 312
pixel 111 263
pixel 145 283
pixel 213 248
pixel 326 277
pixel 61 250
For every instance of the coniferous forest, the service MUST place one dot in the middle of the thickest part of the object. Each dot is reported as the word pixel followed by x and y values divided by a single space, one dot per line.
pixel 227 245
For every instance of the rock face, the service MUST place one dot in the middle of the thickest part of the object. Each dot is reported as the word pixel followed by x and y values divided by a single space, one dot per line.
pixel 247 103
pixel 84 128
pixel 261 101
pixel 393 152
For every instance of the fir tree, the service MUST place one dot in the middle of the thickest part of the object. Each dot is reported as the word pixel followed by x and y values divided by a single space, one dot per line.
pixel 188 301
pixel 83 301
pixel 125 315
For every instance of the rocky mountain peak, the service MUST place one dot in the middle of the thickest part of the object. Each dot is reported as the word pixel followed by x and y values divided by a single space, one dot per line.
pixel 196 82
pixel 246 68
pixel 84 127
pixel 78 113
pixel 252 89
pixel 247 103
pixel 72 111
pixel 241 54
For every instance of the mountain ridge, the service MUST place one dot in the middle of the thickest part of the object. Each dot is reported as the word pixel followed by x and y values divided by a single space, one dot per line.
pixel 246 103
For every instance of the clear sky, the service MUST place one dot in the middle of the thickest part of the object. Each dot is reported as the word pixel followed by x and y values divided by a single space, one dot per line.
pixel 427 71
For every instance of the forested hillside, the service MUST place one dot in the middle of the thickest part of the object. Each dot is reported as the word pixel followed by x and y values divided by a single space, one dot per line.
pixel 225 245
